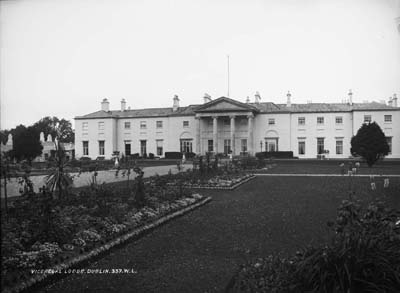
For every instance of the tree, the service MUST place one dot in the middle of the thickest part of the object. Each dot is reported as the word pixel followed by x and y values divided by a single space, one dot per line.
pixel 48 125
pixel 370 143
pixel 26 143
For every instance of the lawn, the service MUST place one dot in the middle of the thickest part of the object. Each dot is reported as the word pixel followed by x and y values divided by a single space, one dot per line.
pixel 202 250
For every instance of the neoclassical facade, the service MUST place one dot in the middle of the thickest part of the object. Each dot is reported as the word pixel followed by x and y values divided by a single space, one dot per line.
pixel 225 125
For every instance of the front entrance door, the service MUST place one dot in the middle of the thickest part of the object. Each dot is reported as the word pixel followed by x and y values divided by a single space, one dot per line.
pixel 271 145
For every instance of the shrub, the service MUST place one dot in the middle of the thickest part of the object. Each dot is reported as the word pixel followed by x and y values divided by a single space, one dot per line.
pixel 135 156
pixel 173 155
pixel 363 256
pixel 85 159
pixel 190 155
pixel 151 156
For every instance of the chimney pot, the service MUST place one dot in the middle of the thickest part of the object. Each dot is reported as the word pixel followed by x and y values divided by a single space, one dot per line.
pixel 257 97
pixel 289 102
pixel 394 100
pixel 350 98
pixel 176 103
pixel 105 105
pixel 248 100
pixel 123 105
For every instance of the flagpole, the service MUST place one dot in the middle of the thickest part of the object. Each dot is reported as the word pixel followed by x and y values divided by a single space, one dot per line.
pixel 228 75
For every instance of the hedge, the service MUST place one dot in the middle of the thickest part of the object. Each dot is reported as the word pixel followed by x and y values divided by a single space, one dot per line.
pixel 278 155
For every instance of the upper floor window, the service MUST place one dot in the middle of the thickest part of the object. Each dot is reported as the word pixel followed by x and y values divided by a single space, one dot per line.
pixel 143 125
pixel 320 120
pixel 127 125
pixel 185 123
pixel 339 120
pixel 85 126
pixel 367 118
pixel 227 122
pixel 302 120
pixel 159 124
pixel 271 121
pixel 388 118
pixel 101 125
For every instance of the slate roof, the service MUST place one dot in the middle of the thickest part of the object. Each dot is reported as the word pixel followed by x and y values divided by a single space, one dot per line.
pixel 265 107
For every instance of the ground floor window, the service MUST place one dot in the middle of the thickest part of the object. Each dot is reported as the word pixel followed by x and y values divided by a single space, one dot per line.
pixel 186 145
pixel 243 145
pixel 159 145
pixel 339 147
pixel 302 147
pixel 143 148
pixel 227 146
pixel 127 147
pixel 389 142
pixel 85 148
pixel 320 145
pixel 101 147
pixel 210 145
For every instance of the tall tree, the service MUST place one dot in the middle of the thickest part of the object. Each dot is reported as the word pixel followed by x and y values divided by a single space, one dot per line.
pixel 48 125
pixel 26 143
pixel 370 143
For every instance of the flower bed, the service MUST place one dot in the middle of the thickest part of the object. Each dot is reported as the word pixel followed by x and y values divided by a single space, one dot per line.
pixel 228 182
pixel 43 233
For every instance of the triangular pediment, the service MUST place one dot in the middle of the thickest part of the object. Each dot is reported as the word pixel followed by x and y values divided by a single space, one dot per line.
pixel 224 104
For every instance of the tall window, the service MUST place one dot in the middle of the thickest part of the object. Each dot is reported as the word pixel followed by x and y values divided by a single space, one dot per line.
pixel 127 125
pixel 101 125
pixel 85 148
pixel 186 145
pixel 271 121
pixel 367 118
pixel 143 147
pixel 85 126
pixel 339 120
pixel 339 147
pixel 243 145
pixel 388 118
pixel 301 120
pixel 185 123
pixel 320 145
pixel 159 145
pixel 101 147
pixel 127 147
pixel 159 124
pixel 143 125
pixel 210 145
pixel 389 142
pixel 227 122
pixel 320 120
pixel 227 146
pixel 302 147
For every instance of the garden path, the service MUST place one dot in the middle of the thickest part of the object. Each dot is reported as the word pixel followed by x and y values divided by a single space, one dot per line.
pixel 84 179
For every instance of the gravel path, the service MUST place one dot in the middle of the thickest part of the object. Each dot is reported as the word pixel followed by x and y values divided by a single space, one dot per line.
pixel 200 251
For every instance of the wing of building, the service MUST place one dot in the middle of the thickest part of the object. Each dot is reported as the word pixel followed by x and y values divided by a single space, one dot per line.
pixel 225 125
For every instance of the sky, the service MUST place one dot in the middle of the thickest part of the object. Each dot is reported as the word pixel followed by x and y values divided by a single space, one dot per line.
pixel 61 58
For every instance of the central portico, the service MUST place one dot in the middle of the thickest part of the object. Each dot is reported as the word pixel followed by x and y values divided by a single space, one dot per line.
pixel 225 125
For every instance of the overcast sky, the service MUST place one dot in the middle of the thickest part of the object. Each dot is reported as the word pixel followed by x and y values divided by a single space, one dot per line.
pixel 60 58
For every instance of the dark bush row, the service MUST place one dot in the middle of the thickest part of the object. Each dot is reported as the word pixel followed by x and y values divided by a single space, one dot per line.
pixel 278 155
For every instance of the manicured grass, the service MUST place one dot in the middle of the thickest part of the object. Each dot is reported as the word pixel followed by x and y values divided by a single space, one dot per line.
pixel 202 250
pixel 331 167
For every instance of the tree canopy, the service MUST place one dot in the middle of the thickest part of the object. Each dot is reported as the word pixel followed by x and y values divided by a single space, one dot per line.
pixel 26 143
pixel 48 125
pixel 370 143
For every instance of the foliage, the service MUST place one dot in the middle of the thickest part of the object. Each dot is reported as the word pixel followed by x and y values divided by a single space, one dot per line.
pixel 60 128
pixel 370 143
pixel 26 143
pixel 363 256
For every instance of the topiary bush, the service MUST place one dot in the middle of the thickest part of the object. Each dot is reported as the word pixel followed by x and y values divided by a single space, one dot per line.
pixel 363 256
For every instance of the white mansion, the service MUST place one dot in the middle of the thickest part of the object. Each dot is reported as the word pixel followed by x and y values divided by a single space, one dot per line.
pixel 223 125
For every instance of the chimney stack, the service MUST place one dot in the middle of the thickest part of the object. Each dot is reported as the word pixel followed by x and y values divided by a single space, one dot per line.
pixel 394 100
pixel 176 103
pixel 42 136
pixel 123 105
pixel 257 97
pixel 248 100
pixel 289 102
pixel 350 98
pixel 105 105
pixel 206 98
pixel 10 140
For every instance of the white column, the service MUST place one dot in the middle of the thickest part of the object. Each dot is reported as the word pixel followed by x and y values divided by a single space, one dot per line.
pixel 233 134
pixel 250 134
pixel 198 138
pixel 215 134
